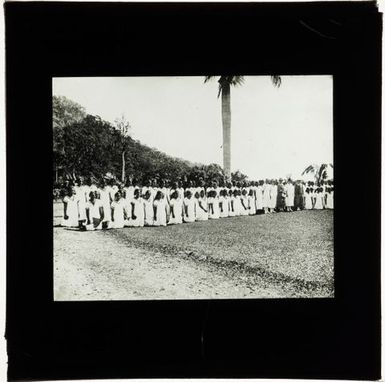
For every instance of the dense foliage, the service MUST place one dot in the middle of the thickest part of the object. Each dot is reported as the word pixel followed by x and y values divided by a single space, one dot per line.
pixel 85 145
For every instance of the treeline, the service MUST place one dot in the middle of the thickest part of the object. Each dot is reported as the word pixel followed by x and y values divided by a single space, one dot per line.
pixel 86 146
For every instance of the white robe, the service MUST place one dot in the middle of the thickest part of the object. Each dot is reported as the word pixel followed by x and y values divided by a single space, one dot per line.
pixel 161 218
pixel 138 210
pixel 308 201
pixel 266 195
pixel 259 198
pixel 118 208
pixel 237 205
pixel 176 206
pixel 189 204
pixel 213 208
pixel 105 200
pixel 273 196
pixel 329 200
pixel 290 195
pixel 318 201
pixel 94 215
pixel 242 210
pixel 72 212
pixel 201 215
pixel 225 207
pixel 251 203
pixel 148 212
pixel 232 206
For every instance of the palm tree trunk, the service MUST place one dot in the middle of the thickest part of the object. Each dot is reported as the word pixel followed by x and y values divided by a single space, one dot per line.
pixel 123 166
pixel 226 128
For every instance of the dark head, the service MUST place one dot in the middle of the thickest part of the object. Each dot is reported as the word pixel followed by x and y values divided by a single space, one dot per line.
pixel 147 195
pixel 91 196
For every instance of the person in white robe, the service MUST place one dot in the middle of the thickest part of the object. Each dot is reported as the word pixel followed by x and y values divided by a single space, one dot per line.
pixel 290 195
pixel 244 203
pixel 118 213
pixel 308 199
pixel 213 204
pixel 166 192
pixel 81 191
pixel 259 197
pixel 330 196
pixel 137 210
pixel 201 207
pixel 95 213
pixel 319 199
pixel 148 209
pixel 251 202
pixel 232 212
pixel 148 187
pixel 160 214
pixel 266 196
pixel 175 209
pixel 223 204
pixel 189 208
pixel 129 196
pixel 71 209
pixel 105 200
pixel 273 195
pixel 237 202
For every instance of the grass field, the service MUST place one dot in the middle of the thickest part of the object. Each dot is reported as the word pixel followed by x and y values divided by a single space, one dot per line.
pixel 293 251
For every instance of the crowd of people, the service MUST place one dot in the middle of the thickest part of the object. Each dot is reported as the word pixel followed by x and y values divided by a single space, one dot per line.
pixel 111 204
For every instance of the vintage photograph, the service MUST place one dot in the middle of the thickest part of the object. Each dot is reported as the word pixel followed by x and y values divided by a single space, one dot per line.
pixel 193 187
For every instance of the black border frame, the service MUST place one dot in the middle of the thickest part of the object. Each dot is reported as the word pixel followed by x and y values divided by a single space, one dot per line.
pixel 289 338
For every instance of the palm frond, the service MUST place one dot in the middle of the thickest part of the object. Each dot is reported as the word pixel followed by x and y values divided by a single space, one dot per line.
pixel 236 80
pixel 276 80
pixel 308 169
pixel 208 78
pixel 229 80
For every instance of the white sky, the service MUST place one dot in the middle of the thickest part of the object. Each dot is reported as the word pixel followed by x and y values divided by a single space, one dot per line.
pixel 275 131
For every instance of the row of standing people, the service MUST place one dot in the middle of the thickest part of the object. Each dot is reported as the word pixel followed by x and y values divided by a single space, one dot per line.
pixel 110 206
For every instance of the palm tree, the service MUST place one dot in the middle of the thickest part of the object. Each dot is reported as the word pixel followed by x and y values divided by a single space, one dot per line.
pixel 320 172
pixel 225 83
pixel 124 127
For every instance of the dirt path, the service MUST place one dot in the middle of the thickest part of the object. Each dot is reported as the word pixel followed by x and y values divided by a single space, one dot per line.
pixel 101 266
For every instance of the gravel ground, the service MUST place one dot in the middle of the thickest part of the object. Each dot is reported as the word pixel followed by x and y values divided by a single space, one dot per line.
pixel 98 266
pixel 263 256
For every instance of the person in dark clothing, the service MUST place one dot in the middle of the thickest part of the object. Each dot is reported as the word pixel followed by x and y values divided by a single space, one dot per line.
pixel 281 195
pixel 298 196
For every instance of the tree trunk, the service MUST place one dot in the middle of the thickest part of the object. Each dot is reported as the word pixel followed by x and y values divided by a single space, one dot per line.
pixel 226 128
pixel 123 166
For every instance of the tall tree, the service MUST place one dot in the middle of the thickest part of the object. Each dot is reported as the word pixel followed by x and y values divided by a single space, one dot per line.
pixel 123 126
pixel 65 112
pixel 225 83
